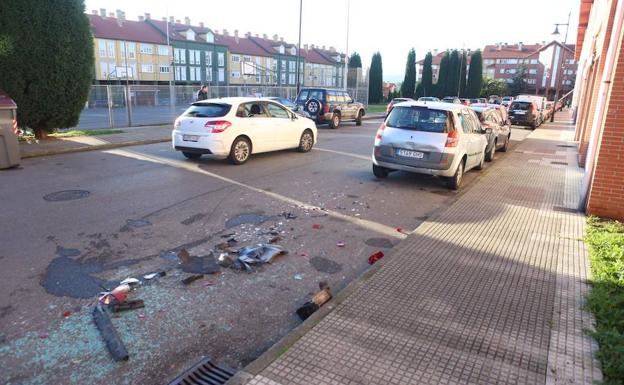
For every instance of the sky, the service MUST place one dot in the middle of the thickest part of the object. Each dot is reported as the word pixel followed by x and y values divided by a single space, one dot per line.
pixel 391 27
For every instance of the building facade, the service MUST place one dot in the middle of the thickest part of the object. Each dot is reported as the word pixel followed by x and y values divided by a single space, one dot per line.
pixel 322 68
pixel 248 63
pixel 598 104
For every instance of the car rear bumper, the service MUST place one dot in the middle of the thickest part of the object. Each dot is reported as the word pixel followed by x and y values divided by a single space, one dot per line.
pixel 443 166
pixel 204 145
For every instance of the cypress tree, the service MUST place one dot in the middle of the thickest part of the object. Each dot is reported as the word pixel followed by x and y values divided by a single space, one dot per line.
pixel 462 75
pixel 443 75
pixel 427 76
pixel 409 81
pixel 475 77
pixel 46 61
pixel 453 82
pixel 355 61
pixel 375 82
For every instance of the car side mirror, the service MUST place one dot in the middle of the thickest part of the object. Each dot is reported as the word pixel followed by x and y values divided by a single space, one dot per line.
pixel 293 117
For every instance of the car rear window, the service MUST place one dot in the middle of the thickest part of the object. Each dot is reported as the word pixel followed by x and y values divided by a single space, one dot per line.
pixel 398 100
pixel 310 94
pixel 520 106
pixel 211 110
pixel 418 118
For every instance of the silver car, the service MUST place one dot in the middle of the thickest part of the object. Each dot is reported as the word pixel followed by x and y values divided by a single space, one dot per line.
pixel 434 138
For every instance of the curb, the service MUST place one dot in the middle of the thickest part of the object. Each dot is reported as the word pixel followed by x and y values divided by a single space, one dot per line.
pixel 107 146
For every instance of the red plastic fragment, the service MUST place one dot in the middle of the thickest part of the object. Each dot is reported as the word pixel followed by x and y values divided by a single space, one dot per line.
pixel 375 257
pixel 66 313
pixel 316 226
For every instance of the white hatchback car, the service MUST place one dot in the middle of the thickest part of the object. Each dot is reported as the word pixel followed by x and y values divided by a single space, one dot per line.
pixel 235 128
pixel 434 138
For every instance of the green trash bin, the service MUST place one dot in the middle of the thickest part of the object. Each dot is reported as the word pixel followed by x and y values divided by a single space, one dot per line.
pixel 9 145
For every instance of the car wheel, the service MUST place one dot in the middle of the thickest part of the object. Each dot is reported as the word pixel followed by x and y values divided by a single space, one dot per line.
pixel 240 151
pixel 335 121
pixel 489 155
pixel 506 145
pixel 454 182
pixel 191 155
pixel 380 172
pixel 358 120
pixel 482 163
pixel 306 142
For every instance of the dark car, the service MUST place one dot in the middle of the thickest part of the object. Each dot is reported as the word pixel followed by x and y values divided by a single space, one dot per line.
pixel 524 113
pixel 284 102
pixel 452 99
pixel 494 126
pixel 330 106
pixel 395 101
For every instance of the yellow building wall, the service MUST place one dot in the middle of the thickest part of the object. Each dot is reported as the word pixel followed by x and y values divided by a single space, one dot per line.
pixel 109 65
pixel 247 80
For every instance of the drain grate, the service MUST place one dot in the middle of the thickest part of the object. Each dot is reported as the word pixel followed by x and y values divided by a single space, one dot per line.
pixel 560 163
pixel 66 195
pixel 204 373
pixel 562 209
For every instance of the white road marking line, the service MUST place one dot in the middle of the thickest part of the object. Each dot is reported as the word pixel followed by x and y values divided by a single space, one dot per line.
pixel 344 153
pixel 193 167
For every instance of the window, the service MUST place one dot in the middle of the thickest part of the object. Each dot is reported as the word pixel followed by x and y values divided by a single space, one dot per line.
pixel 190 34
pixel 180 73
pixel 258 78
pixel 147 68
pixel 467 122
pixel 164 69
pixel 281 49
pixel 250 110
pixel 208 74
pixel 534 61
pixel 531 81
pixel 163 50
pixel 211 110
pixel 209 37
pixel 509 80
pixel 104 70
pixel 131 47
pixel 246 58
pixel 209 58
pixel 110 48
pixel 512 71
pixel 102 47
pixel 292 66
pixel 283 78
pixel 221 59
pixel 235 59
pixel 532 71
pixel 283 66
pixel 179 55
pixel 418 119
pixel 569 61
pixel 276 111
pixel 235 74
pixel 258 61
pixel 194 74
pixel 221 75
pixel 293 50
pixel 502 70
pixel 146 49
pixel 194 56
pixel 291 78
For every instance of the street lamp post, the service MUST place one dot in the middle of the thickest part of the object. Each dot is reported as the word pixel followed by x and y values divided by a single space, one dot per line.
pixel 299 46
pixel 559 64
pixel 346 63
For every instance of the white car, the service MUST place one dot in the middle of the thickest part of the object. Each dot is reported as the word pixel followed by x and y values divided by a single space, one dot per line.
pixel 235 128
pixel 434 138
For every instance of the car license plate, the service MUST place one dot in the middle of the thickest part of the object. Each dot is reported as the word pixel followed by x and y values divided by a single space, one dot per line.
pixel 410 154
pixel 190 138
pixel 520 112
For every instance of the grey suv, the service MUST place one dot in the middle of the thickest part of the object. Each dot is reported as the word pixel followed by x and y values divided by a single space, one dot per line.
pixel 330 106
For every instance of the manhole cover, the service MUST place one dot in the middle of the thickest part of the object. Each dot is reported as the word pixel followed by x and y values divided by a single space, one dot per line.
pixel 67 195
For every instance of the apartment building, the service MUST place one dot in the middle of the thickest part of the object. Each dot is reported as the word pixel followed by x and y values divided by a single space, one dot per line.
pixel 336 61
pixel 128 50
pixel 197 57
pixel 322 68
pixel 248 63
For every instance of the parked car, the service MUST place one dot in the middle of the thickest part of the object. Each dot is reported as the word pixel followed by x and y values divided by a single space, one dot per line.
pixel 482 100
pixel 451 99
pixel 284 102
pixel 236 128
pixel 548 110
pixel 506 101
pixel 465 102
pixel 495 129
pixel 475 100
pixel 428 99
pixel 502 109
pixel 525 113
pixel 395 101
pixel 330 106
pixel 434 138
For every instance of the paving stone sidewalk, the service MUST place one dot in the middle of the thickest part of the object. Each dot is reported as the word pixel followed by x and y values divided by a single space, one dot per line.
pixel 488 292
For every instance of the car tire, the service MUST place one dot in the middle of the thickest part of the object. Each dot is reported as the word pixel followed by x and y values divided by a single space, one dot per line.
pixel 454 182
pixel 506 145
pixel 335 121
pixel 306 142
pixel 481 165
pixel 489 155
pixel 240 151
pixel 191 155
pixel 380 172
pixel 358 120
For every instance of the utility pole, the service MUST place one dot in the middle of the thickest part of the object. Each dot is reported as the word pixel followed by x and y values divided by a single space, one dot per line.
pixel 299 46
pixel 559 63
pixel 346 63
pixel 128 101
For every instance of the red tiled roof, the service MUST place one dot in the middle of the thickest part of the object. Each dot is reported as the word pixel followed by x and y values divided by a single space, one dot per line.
pixel 267 45
pixel 435 60
pixel 312 56
pixel 108 28
pixel 241 45
pixel 176 29
pixel 329 55
pixel 510 51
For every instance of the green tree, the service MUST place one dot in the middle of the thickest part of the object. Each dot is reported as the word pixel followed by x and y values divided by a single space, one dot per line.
pixel 409 81
pixel 475 75
pixel 427 76
pixel 355 61
pixel 443 76
pixel 375 80
pixel 518 84
pixel 453 76
pixel 462 74
pixel 493 87
pixel 419 91
pixel 46 61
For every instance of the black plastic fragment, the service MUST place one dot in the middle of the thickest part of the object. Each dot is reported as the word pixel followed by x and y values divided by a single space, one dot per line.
pixel 109 334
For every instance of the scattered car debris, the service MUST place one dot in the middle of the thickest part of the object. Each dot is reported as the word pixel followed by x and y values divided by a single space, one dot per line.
pixel 225 260
pixel 298 277
pixel 183 256
pixel 316 226
pixel 318 300
pixel 275 239
pixel 260 254
pixel 375 257
pixel 154 275
pixel 109 334
pixel 340 244
pixel 43 335
pixel 130 281
pixel 66 313
pixel 288 215
pixel 190 279
pixel 200 265
pixel 128 305
pixel 228 235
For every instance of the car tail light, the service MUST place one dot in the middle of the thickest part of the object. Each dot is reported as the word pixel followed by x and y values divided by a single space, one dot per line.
pixel 326 108
pixel 380 131
pixel 452 140
pixel 217 126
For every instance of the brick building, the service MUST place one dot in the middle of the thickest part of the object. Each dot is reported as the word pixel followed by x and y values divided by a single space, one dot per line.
pixel 599 106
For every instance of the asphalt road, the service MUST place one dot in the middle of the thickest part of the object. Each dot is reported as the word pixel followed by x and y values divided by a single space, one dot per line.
pixel 143 203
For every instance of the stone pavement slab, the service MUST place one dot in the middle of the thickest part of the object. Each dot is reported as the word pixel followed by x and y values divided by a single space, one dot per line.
pixel 488 292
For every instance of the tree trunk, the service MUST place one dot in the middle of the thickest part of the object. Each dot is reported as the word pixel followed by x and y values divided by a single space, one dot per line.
pixel 41 133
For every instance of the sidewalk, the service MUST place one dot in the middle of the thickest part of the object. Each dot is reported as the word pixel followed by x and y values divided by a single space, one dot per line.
pixel 132 136
pixel 488 292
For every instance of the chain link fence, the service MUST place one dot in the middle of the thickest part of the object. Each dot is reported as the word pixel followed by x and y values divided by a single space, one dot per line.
pixel 111 106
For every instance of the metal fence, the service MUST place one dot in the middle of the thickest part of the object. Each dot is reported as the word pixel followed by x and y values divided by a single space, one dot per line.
pixel 111 106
